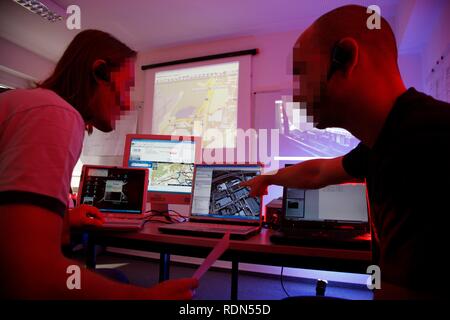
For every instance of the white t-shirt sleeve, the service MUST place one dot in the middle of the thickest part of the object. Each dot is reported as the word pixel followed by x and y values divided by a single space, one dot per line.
pixel 40 147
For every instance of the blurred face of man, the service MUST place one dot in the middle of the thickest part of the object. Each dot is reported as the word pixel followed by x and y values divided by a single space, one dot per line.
pixel 311 87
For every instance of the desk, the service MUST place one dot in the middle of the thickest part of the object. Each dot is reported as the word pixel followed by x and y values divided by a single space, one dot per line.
pixel 258 249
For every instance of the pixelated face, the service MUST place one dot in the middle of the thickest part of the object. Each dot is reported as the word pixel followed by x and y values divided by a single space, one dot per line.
pixel 113 98
pixel 310 67
pixel 123 81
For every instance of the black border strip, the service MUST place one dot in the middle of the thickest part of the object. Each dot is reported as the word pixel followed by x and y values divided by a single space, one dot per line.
pixel 204 58
pixel 40 200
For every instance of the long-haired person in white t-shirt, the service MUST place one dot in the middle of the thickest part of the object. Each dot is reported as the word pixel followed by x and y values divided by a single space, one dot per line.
pixel 41 136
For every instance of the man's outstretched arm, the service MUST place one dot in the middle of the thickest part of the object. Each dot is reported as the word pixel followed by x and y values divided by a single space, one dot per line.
pixel 310 174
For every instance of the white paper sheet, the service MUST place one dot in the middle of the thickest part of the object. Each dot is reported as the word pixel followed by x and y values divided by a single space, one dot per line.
pixel 215 254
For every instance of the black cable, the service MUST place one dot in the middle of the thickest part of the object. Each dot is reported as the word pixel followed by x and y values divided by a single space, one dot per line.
pixel 157 220
pixel 176 213
pixel 179 215
pixel 282 283
pixel 155 214
pixel 166 214
pixel 156 211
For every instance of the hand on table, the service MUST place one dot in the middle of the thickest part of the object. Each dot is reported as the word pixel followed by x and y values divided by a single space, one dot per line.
pixel 85 215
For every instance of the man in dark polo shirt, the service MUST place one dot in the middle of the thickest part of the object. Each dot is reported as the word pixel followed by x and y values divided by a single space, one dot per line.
pixel 348 77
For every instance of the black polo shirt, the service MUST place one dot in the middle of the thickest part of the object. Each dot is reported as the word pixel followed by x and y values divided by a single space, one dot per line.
pixel 408 179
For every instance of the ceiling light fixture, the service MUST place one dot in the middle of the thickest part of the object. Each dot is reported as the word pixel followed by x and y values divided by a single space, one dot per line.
pixel 46 9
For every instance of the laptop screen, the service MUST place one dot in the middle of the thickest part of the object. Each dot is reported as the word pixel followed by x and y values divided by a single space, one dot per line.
pixel 217 194
pixel 340 203
pixel 113 190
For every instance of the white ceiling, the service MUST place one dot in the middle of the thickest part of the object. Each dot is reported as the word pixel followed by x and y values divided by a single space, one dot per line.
pixel 147 24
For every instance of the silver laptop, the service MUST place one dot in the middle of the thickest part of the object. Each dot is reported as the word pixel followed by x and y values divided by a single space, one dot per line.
pixel 333 216
pixel 219 204
pixel 119 193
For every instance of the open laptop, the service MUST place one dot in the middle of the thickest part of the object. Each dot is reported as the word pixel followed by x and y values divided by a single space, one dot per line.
pixel 335 216
pixel 220 205
pixel 119 193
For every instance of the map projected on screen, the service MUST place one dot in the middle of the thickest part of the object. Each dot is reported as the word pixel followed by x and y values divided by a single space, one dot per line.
pixel 199 101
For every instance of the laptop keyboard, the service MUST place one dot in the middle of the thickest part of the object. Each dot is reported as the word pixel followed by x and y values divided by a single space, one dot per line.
pixel 216 227
pixel 324 234
pixel 122 222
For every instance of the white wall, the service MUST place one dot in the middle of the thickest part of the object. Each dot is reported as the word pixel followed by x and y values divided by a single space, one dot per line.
pixel 271 67
pixel 439 42
pixel 19 66
pixel 410 65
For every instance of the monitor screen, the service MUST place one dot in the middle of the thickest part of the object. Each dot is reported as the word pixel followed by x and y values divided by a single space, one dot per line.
pixel 203 98
pixel 300 139
pixel 113 190
pixel 170 162
pixel 344 202
pixel 217 192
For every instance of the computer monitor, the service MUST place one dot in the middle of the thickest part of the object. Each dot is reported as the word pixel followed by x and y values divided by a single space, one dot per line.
pixel 170 161
pixel 335 203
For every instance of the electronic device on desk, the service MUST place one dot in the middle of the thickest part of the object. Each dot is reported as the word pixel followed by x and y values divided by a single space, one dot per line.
pixel 119 193
pixel 335 216
pixel 273 213
pixel 219 204
pixel 170 163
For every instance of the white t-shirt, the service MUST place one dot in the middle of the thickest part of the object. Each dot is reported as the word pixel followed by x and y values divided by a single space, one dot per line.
pixel 41 137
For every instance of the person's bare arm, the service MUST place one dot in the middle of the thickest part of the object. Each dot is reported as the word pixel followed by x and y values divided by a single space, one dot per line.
pixel 310 174
pixel 33 266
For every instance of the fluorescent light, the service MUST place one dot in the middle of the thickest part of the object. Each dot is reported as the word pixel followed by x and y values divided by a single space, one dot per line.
pixel 47 10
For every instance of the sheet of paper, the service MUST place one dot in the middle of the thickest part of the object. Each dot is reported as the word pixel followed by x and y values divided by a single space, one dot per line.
pixel 218 250
pixel 111 143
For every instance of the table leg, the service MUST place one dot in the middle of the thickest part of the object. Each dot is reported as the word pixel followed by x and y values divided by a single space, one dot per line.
pixel 234 279
pixel 164 264
pixel 90 252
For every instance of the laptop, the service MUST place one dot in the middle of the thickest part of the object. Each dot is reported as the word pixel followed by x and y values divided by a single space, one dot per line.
pixel 219 204
pixel 333 217
pixel 119 193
